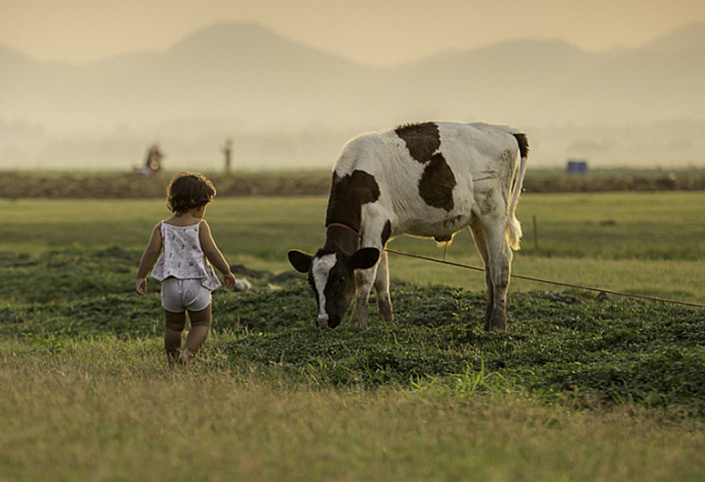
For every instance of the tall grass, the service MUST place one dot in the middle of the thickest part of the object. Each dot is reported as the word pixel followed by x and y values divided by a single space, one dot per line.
pixel 107 410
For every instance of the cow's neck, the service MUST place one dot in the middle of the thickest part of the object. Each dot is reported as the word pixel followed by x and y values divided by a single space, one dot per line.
pixel 341 237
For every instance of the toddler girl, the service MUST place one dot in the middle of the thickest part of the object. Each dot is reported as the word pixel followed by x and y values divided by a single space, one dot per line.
pixel 186 247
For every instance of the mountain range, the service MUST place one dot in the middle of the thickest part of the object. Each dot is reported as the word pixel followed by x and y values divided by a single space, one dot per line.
pixel 287 104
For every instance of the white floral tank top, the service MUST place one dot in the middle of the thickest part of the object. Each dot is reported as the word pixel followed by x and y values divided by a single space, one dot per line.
pixel 182 256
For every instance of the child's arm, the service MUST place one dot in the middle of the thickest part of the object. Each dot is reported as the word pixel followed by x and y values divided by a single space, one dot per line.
pixel 214 255
pixel 149 257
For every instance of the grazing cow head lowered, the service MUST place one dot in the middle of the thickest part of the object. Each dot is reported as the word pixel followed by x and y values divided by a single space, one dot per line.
pixel 331 275
pixel 429 180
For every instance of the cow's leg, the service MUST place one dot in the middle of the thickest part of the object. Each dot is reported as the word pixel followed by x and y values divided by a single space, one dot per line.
pixel 384 301
pixel 364 278
pixel 478 235
pixel 499 262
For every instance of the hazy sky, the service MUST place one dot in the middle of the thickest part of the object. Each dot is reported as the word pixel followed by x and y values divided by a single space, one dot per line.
pixel 372 31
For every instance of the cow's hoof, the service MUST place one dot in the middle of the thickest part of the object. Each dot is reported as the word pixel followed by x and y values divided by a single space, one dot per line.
pixel 358 324
pixel 385 311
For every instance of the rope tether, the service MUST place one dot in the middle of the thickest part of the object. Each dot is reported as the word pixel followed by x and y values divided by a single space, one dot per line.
pixel 539 280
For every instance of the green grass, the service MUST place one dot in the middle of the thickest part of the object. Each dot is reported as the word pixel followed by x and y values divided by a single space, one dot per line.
pixel 605 226
pixel 580 388
pixel 649 244
pixel 616 226
pixel 557 342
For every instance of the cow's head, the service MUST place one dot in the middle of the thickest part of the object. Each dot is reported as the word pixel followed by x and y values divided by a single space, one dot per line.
pixel 331 275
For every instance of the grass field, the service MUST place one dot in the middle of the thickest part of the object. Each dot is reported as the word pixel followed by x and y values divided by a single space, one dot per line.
pixel 580 388
pixel 648 243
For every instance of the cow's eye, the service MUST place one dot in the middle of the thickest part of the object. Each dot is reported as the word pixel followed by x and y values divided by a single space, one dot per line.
pixel 340 280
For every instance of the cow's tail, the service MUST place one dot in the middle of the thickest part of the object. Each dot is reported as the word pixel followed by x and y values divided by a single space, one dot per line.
pixel 513 232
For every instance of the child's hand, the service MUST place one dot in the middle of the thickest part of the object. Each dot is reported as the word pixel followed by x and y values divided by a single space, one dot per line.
pixel 229 279
pixel 141 286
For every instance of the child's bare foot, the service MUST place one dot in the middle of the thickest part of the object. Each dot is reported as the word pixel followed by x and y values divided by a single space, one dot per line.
pixel 185 357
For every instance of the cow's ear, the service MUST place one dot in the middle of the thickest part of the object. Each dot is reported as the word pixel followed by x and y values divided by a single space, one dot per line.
pixel 364 258
pixel 299 260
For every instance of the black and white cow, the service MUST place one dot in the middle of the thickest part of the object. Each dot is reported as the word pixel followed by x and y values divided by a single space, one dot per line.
pixel 429 180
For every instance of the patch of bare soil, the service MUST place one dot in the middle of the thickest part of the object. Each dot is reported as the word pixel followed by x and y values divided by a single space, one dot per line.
pixel 613 184
pixel 17 185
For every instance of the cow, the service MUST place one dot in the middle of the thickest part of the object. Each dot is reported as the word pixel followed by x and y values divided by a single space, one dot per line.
pixel 430 180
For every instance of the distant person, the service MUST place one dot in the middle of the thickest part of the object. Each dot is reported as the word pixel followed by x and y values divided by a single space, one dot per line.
pixel 153 161
pixel 184 268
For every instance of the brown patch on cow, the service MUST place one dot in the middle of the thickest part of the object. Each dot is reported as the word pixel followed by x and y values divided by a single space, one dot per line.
pixel 422 140
pixel 347 196
pixel 437 183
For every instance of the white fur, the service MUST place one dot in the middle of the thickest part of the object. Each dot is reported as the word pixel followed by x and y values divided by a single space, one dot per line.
pixel 320 269
pixel 470 150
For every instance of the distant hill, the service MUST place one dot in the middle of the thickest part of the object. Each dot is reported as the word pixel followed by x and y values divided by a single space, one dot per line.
pixel 282 100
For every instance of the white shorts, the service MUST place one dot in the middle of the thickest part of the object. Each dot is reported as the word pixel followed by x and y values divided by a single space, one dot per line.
pixel 179 295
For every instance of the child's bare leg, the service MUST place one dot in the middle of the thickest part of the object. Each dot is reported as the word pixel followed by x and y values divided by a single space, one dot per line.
pixel 200 326
pixel 175 323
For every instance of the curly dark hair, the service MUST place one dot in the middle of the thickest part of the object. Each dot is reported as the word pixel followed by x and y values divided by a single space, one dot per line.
pixel 188 190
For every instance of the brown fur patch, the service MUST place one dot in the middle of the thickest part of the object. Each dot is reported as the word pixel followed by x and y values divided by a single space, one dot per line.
pixel 422 140
pixel 347 195
pixel 437 183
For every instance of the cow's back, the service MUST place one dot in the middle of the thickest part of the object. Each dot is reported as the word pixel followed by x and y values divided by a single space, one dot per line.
pixel 428 174
pixel 398 154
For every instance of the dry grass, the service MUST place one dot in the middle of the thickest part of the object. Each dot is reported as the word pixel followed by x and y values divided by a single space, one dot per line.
pixel 109 410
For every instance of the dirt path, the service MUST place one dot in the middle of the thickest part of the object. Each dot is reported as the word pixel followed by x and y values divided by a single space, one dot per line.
pixel 16 185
